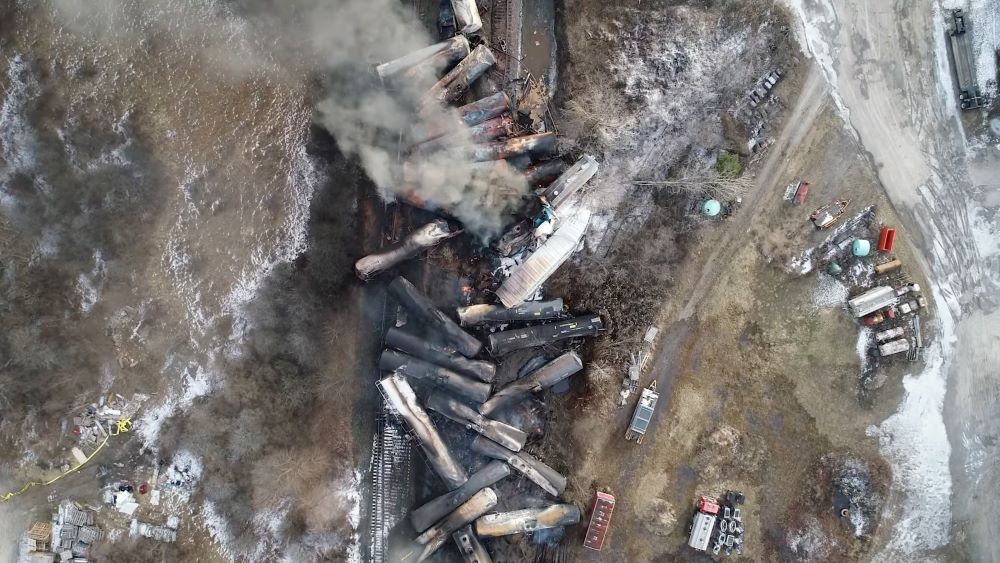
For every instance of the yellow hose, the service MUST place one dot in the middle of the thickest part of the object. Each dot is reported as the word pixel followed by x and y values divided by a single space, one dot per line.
pixel 121 427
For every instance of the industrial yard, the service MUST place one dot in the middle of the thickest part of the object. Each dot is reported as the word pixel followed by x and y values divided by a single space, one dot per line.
pixel 572 282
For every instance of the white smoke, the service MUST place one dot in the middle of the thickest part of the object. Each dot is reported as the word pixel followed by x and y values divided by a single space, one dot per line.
pixel 378 124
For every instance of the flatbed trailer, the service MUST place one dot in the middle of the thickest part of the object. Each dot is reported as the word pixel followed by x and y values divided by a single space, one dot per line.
pixel 643 414
pixel 960 43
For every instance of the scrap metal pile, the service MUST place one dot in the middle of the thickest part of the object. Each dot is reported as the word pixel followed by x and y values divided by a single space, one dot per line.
pixel 508 162
pixel 436 372
pixel 440 371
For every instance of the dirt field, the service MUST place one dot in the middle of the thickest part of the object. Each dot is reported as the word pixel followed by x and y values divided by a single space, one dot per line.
pixel 759 385
pixel 765 384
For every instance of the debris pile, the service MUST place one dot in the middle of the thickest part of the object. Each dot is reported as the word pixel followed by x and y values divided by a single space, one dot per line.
pixel 449 380
pixel 99 420
pixel 718 525
pixel 858 255
pixel 440 374
pixel 74 532
pixel 637 365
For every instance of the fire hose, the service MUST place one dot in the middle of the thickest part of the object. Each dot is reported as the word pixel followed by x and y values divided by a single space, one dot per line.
pixel 122 426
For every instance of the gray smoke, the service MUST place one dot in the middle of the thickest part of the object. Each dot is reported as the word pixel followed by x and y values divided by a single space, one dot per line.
pixel 338 42
pixel 377 124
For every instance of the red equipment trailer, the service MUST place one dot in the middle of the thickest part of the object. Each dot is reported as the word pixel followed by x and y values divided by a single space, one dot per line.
pixel 600 518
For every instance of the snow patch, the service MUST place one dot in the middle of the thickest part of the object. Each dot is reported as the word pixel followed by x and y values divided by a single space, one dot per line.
pixel 304 176
pixel 985 234
pixel 829 293
pixel 813 27
pixel 810 543
pixel 865 337
pixel 915 441
pixel 18 144
pixel 216 525
pixel 91 285
pixel 195 382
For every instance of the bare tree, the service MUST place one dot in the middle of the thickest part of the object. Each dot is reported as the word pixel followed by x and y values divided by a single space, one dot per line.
pixel 707 186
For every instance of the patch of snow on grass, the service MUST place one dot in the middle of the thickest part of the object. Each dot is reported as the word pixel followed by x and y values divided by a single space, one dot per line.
pixel 195 382
pixel 218 528
pixel 829 293
pixel 90 285
pixel 865 337
pixel 810 543
pixel 915 441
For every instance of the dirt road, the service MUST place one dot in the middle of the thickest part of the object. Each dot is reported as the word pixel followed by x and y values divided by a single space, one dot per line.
pixel 811 101
pixel 888 65
pixel 727 239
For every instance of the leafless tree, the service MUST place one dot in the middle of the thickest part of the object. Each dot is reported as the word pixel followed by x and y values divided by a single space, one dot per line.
pixel 708 186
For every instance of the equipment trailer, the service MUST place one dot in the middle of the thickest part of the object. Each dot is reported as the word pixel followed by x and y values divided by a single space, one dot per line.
pixel 643 414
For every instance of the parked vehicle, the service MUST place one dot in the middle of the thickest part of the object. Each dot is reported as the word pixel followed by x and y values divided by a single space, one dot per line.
pixel 643 414
pixel 704 524
pixel 600 518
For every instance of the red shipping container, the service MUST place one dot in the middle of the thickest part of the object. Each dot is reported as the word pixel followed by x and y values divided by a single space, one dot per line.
pixel 600 519
pixel 886 239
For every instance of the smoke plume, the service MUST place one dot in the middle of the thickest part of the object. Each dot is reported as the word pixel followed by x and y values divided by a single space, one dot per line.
pixel 379 124
pixel 337 42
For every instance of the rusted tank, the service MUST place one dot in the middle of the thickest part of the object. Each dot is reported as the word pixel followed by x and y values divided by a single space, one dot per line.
pixel 468 115
pixel 467 18
pixel 470 547
pixel 528 311
pixel 535 146
pixel 889 266
pixel 457 81
pixel 401 399
pixel 484 109
pixel 542 378
pixel 419 240
pixel 437 508
pixel 443 60
pixel 504 434
pixel 537 472
pixel 527 520
pixel 472 390
pixel 441 355
pixel 501 126
pixel 544 172
pixel 436 536
pixel 424 311
pixel 398 65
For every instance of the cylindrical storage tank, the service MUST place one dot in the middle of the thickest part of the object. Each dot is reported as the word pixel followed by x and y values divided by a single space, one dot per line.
pixel 711 208
pixel 861 247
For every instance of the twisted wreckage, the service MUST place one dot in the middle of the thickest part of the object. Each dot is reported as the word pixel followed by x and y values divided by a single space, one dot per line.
pixel 436 370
